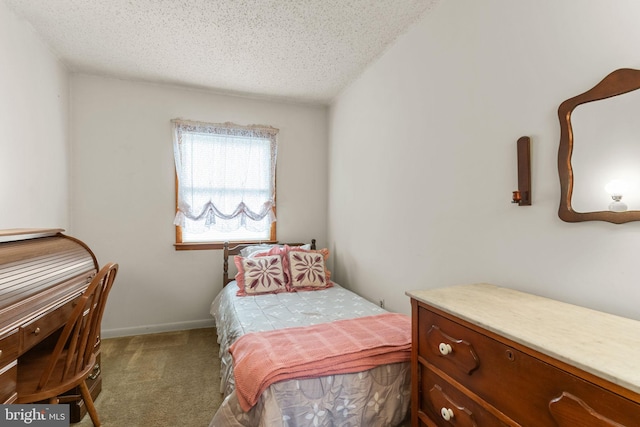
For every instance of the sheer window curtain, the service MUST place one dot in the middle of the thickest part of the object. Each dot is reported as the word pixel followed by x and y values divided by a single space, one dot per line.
pixel 226 176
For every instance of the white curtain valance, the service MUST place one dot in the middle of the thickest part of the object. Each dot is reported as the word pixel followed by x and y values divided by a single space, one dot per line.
pixel 226 176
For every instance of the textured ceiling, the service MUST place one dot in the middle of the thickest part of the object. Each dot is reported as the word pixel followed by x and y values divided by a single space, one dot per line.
pixel 302 50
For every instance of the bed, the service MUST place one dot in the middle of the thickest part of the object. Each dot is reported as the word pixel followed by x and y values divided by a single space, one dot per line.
pixel 377 395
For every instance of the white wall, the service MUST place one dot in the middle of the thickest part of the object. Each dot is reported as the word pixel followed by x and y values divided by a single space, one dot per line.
pixel 33 129
pixel 436 116
pixel 423 158
pixel 124 201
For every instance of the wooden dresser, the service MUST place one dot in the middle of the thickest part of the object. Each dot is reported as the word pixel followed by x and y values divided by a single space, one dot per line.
pixel 42 273
pixel 489 356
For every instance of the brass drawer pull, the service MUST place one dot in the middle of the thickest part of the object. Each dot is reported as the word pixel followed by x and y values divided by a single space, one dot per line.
pixel 95 373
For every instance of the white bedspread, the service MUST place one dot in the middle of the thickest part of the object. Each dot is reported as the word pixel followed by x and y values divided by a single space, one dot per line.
pixel 377 397
pixel 236 316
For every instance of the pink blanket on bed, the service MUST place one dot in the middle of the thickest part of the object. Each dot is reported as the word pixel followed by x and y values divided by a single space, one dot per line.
pixel 344 346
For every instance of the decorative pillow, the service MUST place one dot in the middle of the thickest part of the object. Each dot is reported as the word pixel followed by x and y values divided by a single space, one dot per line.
pixel 307 269
pixel 260 275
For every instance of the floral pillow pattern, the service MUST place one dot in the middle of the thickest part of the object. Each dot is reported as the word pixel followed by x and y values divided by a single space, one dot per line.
pixel 307 269
pixel 260 275
pixel 289 269
pixel 325 256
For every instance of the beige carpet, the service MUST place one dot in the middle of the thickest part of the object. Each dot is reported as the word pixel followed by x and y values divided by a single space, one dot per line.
pixel 162 380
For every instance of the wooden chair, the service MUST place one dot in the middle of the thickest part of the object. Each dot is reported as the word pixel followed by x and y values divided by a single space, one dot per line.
pixel 45 375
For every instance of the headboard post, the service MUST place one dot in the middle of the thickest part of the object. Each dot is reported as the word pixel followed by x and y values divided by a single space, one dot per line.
pixel 225 274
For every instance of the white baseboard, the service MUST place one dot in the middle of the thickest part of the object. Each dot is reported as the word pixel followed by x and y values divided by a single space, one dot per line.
pixel 154 329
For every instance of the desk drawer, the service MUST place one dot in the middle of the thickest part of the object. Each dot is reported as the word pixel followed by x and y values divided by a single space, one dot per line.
pixel 520 385
pixel 38 329
pixel 8 381
pixel 9 345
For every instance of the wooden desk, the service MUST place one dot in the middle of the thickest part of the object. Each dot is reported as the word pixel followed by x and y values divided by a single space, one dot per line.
pixel 42 273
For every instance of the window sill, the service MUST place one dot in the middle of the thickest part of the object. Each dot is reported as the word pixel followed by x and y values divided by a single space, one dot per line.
pixel 201 246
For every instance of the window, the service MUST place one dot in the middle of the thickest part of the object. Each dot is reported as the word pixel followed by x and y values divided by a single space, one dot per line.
pixel 225 183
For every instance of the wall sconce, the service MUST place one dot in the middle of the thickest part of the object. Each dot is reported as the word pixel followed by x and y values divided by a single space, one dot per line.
pixel 616 190
pixel 522 196
pixel 517 197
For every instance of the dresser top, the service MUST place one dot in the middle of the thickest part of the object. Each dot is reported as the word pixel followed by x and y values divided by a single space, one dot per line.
pixel 602 344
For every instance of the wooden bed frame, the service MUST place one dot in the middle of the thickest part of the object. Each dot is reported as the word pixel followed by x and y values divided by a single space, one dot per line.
pixel 230 251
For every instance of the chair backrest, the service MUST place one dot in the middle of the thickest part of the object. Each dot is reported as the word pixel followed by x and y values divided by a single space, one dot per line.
pixel 81 332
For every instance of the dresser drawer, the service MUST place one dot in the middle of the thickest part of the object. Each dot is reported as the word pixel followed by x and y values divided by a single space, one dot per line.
pixel 35 331
pixel 522 386
pixel 447 406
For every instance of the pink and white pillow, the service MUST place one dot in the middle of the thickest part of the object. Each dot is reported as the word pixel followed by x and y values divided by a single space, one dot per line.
pixel 288 269
pixel 260 275
pixel 306 270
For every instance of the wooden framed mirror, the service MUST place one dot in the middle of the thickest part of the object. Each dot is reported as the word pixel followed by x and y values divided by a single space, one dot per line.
pixel 620 82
